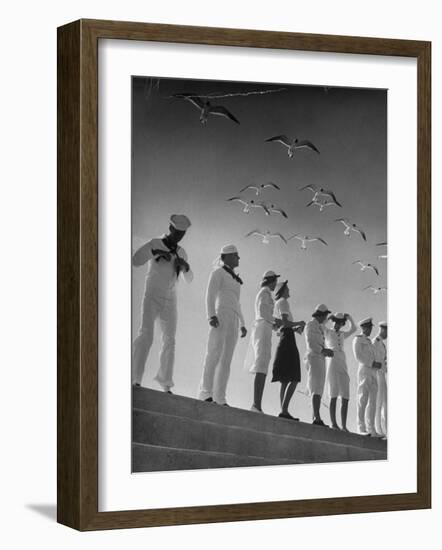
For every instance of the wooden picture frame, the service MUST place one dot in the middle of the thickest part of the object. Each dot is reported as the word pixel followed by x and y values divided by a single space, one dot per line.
pixel 77 224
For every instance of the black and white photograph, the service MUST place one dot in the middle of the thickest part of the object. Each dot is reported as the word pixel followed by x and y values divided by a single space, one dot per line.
pixel 259 274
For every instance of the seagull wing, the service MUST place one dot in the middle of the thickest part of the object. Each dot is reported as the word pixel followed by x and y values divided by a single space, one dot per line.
pixel 345 221
pixel 310 187
pixel 282 139
pixel 357 262
pixel 222 111
pixel 255 232
pixel 239 199
pixel 374 268
pixel 271 184
pixel 304 143
pixel 278 235
pixel 280 211
pixel 192 98
pixel 320 240
pixel 311 202
pixel 295 236
pixel 369 287
pixel 330 193
pixel 382 244
pixel 361 233
pixel 248 187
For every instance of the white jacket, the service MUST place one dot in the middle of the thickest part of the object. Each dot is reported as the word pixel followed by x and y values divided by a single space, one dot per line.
pixel 380 351
pixel 223 292
pixel 363 350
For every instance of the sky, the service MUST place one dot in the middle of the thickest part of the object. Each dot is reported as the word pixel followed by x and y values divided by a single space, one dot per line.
pixel 181 166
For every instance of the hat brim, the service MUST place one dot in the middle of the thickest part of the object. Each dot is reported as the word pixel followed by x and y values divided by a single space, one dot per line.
pixel 318 312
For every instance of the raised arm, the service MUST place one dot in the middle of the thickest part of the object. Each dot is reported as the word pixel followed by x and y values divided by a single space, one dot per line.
pixel 352 328
pixel 142 255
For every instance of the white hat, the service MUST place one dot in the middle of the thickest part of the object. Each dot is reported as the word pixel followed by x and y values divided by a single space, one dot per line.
pixel 180 222
pixel 270 275
pixel 229 249
pixel 366 321
pixel 383 324
pixel 321 308
pixel 337 317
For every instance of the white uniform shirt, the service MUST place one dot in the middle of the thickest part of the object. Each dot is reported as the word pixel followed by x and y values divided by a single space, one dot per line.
pixel 161 276
pixel 264 305
pixel 380 351
pixel 363 350
pixel 223 292
pixel 314 337
pixel 282 307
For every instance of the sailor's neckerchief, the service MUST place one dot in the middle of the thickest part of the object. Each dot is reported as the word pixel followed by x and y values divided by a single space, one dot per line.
pixel 173 249
pixel 232 273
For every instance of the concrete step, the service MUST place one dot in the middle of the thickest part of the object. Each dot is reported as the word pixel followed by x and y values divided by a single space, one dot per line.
pixel 167 430
pixel 145 399
pixel 152 458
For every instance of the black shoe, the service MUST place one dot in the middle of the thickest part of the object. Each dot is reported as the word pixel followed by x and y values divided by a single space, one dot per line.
pixel 288 416
pixel 168 391
pixel 208 400
pixel 319 422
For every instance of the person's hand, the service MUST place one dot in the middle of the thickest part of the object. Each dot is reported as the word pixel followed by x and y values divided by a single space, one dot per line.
pixel 243 332
pixel 327 352
pixel 277 323
pixel 162 255
pixel 182 264
pixel 213 322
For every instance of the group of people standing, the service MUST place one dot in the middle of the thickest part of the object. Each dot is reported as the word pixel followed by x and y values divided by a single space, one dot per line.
pixel 324 334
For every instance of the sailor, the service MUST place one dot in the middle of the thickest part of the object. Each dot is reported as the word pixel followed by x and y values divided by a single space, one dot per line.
pixel 364 353
pixel 224 316
pixel 338 380
pixel 316 353
pixel 166 263
pixel 261 340
pixel 380 350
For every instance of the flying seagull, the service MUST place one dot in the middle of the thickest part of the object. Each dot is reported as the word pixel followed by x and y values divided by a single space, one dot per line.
pixel 258 189
pixel 382 244
pixel 349 226
pixel 293 144
pixel 364 267
pixel 249 204
pixel 376 290
pixel 272 208
pixel 266 236
pixel 206 108
pixel 306 239
pixel 321 205
pixel 321 192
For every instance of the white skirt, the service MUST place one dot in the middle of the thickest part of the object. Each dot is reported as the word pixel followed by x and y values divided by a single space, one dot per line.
pixel 338 380
pixel 261 344
pixel 315 365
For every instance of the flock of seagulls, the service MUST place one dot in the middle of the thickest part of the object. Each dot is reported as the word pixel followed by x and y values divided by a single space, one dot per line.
pixel 322 198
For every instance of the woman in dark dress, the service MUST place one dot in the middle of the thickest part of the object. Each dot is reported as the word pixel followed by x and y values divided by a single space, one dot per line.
pixel 286 366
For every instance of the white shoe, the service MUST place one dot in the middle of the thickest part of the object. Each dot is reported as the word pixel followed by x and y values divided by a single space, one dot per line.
pixel 256 410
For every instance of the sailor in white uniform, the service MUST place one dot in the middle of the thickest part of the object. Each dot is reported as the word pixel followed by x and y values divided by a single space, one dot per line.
pixel 225 317
pixel 316 353
pixel 261 339
pixel 380 350
pixel 166 262
pixel 338 380
pixel 364 353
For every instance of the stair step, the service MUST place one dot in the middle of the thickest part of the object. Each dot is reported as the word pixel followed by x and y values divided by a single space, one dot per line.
pixel 152 458
pixel 168 430
pixel 146 399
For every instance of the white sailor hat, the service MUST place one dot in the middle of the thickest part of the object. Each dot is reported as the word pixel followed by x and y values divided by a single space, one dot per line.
pixel 229 249
pixel 321 308
pixel 383 324
pixel 269 274
pixel 180 222
pixel 366 321
pixel 337 317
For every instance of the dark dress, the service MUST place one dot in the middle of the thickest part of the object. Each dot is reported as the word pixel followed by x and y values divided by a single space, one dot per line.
pixel 287 366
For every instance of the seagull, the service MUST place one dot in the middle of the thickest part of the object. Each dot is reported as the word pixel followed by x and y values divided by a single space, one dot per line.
pixel 293 144
pixel 321 205
pixel 266 236
pixel 250 204
pixel 364 267
pixel 206 108
pixel 376 290
pixel 383 256
pixel 349 226
pixel 382 244
pixel 320 191
pixel 259 189
pixel 273 208
pixel 306 239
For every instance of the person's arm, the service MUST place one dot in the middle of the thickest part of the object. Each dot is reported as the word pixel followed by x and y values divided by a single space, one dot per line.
pixel 142 255
pixel 186 270
pixel 352 328
pixel 242 323
pixel 213 287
